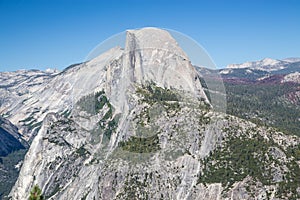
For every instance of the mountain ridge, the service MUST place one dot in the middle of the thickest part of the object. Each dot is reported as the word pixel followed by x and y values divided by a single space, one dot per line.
pixel 266 64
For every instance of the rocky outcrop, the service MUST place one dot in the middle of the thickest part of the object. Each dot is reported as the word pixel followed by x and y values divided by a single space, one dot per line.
pixel 292 77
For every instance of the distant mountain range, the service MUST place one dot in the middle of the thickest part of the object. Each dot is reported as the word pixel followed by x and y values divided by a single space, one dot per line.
pixel 258 70
pixel 266 64
pixel 265 91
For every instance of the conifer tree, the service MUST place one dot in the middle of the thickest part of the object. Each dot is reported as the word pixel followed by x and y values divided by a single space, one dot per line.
pixel 36 193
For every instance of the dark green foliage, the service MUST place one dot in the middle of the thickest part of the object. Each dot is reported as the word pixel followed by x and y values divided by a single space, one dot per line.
pixel 243 156
pixel 92 103
pixel 108 124
pixel 294 151
pixel 141 145
pixel 8 171
pixel 36 193
pixel 101 101
pixel 134 188
pixel 292 179
pixel 262 104
pixel 151 93
pixel 289 186
pixel 161 94
pixel 154 95
pixel 82 152
pixel 111 127
pixel 107 115
pixel 235 161
pixel 242 74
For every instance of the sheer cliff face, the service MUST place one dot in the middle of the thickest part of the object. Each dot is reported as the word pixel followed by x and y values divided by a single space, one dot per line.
pixel 135 123
pixel 153 55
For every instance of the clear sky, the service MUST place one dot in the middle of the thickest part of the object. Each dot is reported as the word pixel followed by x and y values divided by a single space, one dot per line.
pixel 56 33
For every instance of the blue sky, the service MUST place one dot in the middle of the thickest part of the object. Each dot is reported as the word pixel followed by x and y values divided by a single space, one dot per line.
pixel 52 33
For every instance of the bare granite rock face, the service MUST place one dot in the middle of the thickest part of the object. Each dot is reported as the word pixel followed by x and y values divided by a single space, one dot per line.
pixel 135 123
pixel 152 55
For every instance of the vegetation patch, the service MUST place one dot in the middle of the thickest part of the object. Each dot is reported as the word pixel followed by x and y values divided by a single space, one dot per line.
pixel 241 157
pixel 262 104
pixel 82 152
pixel 235 161
pixel 93 103
pixel 36 193
pixel 153 93
pixel 108 124
pixel 134 188
pixel 141 145
pixel 8 171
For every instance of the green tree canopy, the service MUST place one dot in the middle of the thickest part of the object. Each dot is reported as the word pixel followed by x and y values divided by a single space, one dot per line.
pixel 36 193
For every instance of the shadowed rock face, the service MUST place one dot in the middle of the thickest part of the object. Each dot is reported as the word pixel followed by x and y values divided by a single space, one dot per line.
pixel 10 139
pixel 138 125
pixel 8 143
pixel 12 152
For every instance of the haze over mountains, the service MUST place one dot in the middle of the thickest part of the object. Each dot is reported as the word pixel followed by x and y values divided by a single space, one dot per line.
pixel 138 123
pixel 266 66
pixel 266 92
pixel 263 71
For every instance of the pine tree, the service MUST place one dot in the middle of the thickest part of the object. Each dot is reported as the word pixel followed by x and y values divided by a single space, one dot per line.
pixel 36 193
